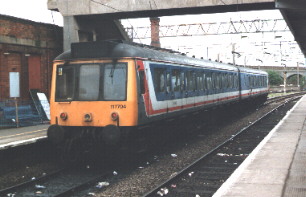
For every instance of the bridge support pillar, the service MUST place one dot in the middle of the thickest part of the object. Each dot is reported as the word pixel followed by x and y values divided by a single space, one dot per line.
pixel 155 41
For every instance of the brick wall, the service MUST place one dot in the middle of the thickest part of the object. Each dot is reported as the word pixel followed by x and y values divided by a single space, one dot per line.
pixel 21 41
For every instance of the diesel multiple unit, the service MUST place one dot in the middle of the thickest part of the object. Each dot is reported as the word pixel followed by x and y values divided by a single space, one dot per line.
pixel 104 91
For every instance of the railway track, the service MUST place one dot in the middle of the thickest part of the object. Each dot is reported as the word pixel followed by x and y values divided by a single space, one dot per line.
pixel 64 182
pixel 283 97
pixel 70 182
pixel 204 176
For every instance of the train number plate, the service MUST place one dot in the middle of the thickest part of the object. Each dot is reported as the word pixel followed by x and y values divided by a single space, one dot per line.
pixel 118 106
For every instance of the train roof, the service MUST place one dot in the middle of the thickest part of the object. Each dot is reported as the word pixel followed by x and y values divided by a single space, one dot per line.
pixel 253 71
pixel 116 49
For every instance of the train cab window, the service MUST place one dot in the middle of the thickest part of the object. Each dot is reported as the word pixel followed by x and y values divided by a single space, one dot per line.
pixel 65 83
pixel 176 80
pixel 89 82
pixel 159 80
pixel 115 76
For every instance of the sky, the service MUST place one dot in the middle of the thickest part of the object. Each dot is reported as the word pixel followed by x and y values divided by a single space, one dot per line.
pixel 35 10
pixel 257 49
pixel 252 48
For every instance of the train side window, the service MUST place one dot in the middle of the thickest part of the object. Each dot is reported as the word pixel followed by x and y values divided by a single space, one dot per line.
pixel 231 81
pixel 168 80
pixel 159 80
pixel 199 81
pixel 190 79
pixel 213 81
pixel 176 80
pixel 141 82
pixel 224 81
pixel 204 82
pixel 236 81
pixel 217 82
pixel 182 81
pixel 209 81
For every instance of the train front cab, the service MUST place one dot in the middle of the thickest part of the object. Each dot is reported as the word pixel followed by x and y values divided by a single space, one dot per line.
pixel 96 99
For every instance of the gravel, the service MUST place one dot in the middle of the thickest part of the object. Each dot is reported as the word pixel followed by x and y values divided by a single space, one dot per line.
pixel 140 181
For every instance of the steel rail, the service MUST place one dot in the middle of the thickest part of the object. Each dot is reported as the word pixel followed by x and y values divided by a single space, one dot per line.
pixel 184 170
pixel 5 191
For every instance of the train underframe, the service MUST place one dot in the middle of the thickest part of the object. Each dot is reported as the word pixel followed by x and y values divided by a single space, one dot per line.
pixel 75 142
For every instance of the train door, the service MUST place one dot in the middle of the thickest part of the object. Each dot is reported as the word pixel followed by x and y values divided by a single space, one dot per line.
pixel 162 87
pixel 143 97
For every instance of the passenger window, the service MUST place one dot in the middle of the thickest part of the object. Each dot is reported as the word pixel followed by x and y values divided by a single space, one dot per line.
pixel 168 79
pixel 176 80
pixel 204 82
pixel 182 81
pixel 190 81
pixel 213 80
pixel 217 81
pixel 159 80
pixel 209 81
pixel 200 81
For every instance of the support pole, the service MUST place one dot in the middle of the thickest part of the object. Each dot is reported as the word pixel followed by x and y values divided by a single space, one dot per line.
pixel 17 118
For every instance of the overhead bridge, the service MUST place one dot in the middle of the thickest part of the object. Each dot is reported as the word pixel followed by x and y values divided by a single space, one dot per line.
pixel 294 12
pixel 90 20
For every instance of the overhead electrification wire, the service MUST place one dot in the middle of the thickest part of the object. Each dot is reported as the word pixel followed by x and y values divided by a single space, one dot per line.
pixel 105 5
pixel 223 2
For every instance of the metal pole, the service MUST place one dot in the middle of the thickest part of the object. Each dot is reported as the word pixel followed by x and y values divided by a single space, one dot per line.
pixel 285 80
pixel 234 63
pixel 298 75
pixel 16 106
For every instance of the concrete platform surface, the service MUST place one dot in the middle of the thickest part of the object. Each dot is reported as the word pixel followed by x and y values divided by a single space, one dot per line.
pixel 23 135
pixel 277 167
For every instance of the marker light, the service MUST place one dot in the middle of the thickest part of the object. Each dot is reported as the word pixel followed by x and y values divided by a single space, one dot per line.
pixel 88 117
pixel 114 116
pixel 64 116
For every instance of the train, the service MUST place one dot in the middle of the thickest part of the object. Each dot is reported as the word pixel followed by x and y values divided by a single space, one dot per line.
pixel 102 92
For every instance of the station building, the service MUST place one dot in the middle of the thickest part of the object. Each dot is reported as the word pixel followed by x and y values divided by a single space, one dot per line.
pixel 28 49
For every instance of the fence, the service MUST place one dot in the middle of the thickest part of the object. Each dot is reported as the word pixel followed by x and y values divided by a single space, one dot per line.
pixel 29 113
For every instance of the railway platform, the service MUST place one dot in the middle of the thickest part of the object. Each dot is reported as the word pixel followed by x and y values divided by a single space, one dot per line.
pixel 12 137
pixel 277 167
